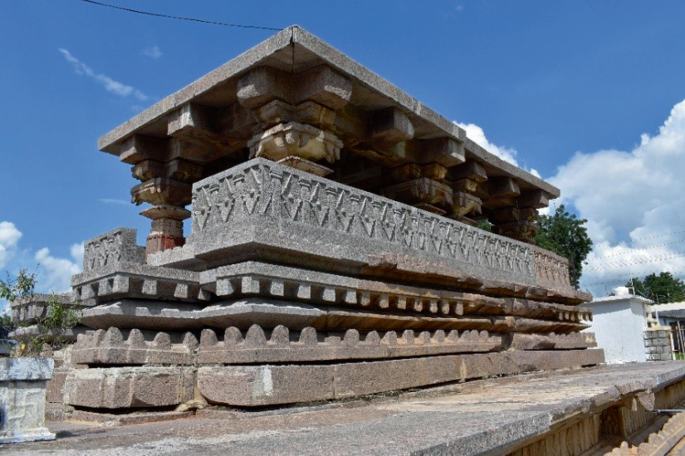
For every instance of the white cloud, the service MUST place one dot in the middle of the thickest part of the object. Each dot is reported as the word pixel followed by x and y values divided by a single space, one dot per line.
pixel 108 83
pixel 9 238
pixel 55 273
pixel 477 135
pixel 635 203
pixel 153 52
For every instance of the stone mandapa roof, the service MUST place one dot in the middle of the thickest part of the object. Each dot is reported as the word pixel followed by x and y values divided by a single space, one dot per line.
pixel 295 50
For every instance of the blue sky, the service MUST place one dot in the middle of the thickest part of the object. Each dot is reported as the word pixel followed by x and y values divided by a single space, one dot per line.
pixel 588 94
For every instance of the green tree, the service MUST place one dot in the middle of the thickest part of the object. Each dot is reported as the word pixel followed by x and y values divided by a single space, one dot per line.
pixel 660 288
pixel 565 235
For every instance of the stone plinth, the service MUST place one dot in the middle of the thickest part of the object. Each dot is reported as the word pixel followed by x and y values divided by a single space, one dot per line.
pixel 22 398
pixel 571 413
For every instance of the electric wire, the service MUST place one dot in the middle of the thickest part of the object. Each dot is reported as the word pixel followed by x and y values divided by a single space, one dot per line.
pixel 182 18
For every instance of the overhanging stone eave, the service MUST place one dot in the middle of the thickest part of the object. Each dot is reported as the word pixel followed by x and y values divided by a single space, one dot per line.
pixel 376 83
pixel 297 37
pixel 233 68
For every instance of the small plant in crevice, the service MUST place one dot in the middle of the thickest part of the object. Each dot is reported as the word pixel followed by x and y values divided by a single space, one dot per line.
pixel 47 329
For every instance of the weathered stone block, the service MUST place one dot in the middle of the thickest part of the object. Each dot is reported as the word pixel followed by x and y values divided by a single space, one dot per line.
pixel 356 379
pixel 125 387
pixel 22 399
pixel 324 86
pixel 110 248
pixel 265 385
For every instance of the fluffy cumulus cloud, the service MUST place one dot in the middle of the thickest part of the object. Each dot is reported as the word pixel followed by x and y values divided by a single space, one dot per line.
pixel 635 203
pixel 110 85
pixel 54 274
pixel 477 135
pixel 9 238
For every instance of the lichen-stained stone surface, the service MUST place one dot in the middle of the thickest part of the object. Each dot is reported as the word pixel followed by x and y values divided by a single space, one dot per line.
pixel 129 387
pixel 22 399
pixel 568 413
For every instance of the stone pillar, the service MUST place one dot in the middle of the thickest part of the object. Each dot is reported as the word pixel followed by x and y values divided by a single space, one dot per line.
pixel 296 116
pixel 421 186
pixel 467 181
pixel 164 167
pixel 167 227
pixel 169 198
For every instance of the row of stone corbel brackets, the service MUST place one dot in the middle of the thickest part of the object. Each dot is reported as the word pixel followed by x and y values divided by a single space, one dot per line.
pixel 253 347
pixel 137 281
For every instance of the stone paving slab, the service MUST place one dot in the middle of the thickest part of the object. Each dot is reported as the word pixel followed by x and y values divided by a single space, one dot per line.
pixel 477 418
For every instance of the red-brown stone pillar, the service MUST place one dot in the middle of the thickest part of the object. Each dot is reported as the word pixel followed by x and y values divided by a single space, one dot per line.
pixel 167 228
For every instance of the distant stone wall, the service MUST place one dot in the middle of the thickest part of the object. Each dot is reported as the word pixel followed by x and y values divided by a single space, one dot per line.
pixel 658 345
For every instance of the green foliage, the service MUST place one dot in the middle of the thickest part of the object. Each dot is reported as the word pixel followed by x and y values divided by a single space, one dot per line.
pixel 56 319
pixel 660 288
pixel 565 235
pixel 484 225
pixel 13 289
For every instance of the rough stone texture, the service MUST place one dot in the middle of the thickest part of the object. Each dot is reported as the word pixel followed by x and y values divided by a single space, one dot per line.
pixel 277 53
pixel 552 341
pixel 109 347
pixel 113 247
pixel 29 308
pixel 496 416
pixel 118 280
pixel 259 202
pixel 22 399
pixel 29 369
pixel 658 344
pixel 665 442
pixel 255 385
pixel 128 387
pixel 266 385
pixel 295 283
pixel 255 348
pixel 269 313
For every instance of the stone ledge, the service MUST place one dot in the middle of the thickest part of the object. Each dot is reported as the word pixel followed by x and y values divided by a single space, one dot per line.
pixel 25 369
pixel 250 386
pixel 494 416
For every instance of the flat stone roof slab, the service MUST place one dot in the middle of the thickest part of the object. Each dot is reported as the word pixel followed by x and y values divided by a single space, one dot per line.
pixel 486 417
pixel 294 50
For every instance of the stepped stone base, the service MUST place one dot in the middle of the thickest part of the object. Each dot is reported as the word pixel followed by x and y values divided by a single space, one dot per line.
pixel 589 412
pixel 151 387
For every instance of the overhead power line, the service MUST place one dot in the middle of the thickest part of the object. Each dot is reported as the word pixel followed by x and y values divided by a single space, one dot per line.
pixel 635 250
pixel 617 265
pixel 182 18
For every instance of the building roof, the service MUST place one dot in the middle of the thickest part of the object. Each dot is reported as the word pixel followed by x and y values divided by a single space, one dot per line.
pixel 295 50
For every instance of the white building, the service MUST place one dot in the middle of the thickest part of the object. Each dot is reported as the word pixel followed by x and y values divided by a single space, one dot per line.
pixel 619 323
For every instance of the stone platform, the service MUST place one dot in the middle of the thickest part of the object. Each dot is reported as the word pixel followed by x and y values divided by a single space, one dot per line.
pixel 346 240
pixel 566 413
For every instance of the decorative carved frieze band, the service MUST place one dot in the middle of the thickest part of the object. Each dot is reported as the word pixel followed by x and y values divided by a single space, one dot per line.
pixel 551 269
pixel 260 189
pixel 110 248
